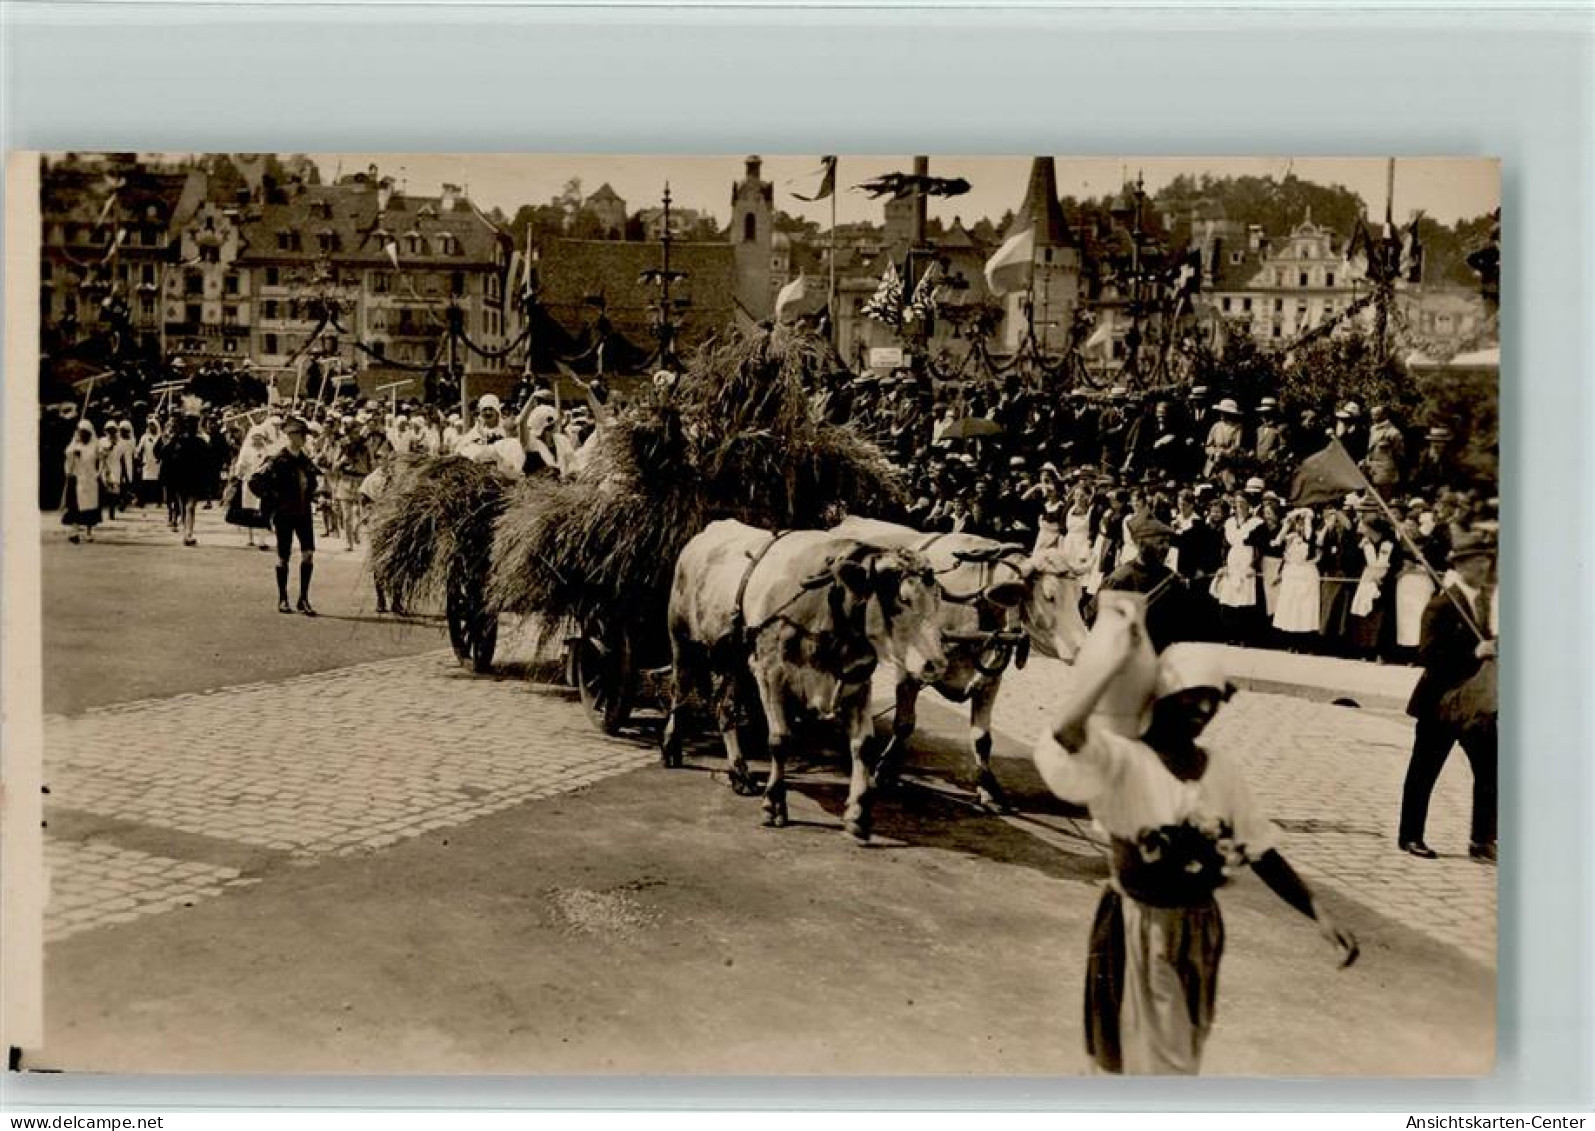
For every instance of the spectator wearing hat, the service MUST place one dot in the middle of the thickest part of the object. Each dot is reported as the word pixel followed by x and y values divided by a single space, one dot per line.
pixel 1270 447
pixel 1082 441
pixel 1387 452
pixel 1113 427
pixel 1351 431
pixel 286 485
pixel 1168 617
pixel 1435 468
pixel 1223 444
pixel 1198 413
pixel 1454 700
pixel 1310 435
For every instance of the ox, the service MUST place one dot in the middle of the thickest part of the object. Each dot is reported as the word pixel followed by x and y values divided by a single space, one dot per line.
pixel 800 620
pixel 996 604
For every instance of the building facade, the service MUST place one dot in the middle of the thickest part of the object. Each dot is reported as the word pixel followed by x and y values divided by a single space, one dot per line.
pixel 370 274
pixel 1277 290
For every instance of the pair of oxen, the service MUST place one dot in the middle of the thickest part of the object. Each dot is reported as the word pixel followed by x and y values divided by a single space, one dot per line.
pixel 774 628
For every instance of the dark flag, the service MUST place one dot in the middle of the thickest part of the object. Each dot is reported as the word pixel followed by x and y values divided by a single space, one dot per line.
pixel 827 181
pixel 1325 477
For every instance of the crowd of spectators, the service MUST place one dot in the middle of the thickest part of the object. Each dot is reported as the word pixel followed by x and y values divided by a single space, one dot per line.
pixel 1101 481
pixel 1206 481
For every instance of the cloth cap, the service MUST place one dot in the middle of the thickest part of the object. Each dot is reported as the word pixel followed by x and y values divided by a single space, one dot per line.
pixel 295 425
pixel 489 401
pixel 1148 526
pixel 1187 666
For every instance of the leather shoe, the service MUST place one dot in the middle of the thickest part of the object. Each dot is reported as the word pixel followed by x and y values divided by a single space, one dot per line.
pixel 284 607
pixel 304 607
pixel 1419 849
pixel 1484 851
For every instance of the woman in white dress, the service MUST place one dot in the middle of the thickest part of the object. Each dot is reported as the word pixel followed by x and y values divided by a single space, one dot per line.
pixel 1235 587
pixel 1414 587
pixel 82 506
pixel 252 456
pixel 1296 612
pixel 1079 535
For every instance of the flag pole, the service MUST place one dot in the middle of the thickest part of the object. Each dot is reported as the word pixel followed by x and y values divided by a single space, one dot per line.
pixel 1401 535
pixel 830 297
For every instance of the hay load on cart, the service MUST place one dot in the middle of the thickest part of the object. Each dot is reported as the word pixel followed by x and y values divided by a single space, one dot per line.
pixel 735 436
pixel 431 542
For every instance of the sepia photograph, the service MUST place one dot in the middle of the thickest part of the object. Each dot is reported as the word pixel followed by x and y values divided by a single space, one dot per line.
pixel 773 615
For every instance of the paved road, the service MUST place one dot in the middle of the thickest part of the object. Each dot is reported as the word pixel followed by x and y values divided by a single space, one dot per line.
pixel 296 767
pixel 296 795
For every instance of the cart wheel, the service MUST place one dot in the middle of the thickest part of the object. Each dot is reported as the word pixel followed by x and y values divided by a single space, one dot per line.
pixel 484 640
pixel 605 676
pixel 459 631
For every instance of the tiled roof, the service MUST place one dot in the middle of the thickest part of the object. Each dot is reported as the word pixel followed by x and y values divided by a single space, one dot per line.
pixel 574 271
pixel 348 212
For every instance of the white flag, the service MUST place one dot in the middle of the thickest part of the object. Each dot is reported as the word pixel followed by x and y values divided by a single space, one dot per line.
pixel 801 298
pixel 1009 269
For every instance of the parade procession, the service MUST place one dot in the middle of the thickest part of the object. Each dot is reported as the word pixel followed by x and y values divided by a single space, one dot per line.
pixel 898 616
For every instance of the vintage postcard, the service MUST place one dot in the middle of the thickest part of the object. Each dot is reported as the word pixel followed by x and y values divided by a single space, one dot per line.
pixel 753 614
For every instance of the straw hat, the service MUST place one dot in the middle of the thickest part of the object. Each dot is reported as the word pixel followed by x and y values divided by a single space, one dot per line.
pixel 1228 407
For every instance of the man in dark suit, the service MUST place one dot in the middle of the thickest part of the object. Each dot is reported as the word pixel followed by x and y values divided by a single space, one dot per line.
pixel 1452 653
pixel 1169 616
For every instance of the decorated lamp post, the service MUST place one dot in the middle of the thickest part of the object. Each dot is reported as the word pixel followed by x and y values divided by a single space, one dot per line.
pixel 663 277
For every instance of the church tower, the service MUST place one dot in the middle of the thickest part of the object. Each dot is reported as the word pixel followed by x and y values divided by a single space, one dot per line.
pixel 752 240
pixel 1055 287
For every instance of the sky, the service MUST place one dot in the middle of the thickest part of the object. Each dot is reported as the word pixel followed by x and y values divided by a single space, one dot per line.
pixel 1446 189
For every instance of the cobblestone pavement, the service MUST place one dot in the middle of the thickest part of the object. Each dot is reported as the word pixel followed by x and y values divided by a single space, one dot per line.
pixel 1331 778
pixel 337 762
pixel 188 796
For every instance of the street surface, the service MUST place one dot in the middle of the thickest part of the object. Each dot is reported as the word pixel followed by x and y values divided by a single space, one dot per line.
pixel 278 844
